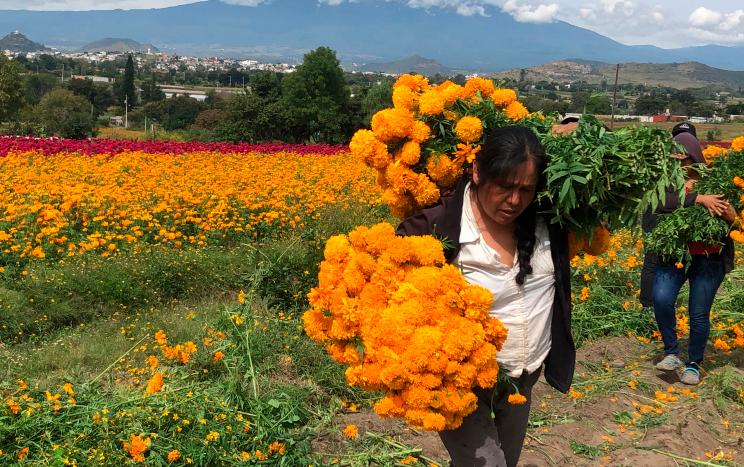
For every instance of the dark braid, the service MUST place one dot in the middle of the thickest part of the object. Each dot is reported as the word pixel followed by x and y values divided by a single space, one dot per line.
pixel 526 239
pixel 504 149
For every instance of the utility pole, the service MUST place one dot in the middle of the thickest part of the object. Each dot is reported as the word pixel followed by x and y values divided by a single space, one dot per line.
pixel 614 98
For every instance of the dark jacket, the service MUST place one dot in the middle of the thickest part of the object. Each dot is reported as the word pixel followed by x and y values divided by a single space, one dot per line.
pixel 443 221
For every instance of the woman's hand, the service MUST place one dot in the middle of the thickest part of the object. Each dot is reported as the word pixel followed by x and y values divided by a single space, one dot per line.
pixel 715 204
pixel 729 215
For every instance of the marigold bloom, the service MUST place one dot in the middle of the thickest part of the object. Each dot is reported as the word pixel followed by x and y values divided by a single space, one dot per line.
pixel 277 447
pixel 517 399
pixel 404 98
pixel 516 111
pixel 469 129
pixel 174 455
pixel 351 431
pixel 391 124
pixel 503 97
pixel 22 454
pixel 136 447
pixel 431 103
pixel 737 144
pixel 155 383
pixel 218 356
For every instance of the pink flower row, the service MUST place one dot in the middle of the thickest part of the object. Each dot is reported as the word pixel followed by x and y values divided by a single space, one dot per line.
pixel 105 146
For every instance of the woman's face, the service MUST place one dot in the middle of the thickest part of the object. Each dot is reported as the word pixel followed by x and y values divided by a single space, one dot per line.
pixel 503 200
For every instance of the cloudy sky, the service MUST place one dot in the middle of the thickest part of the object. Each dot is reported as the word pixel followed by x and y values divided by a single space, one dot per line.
pixel 665 23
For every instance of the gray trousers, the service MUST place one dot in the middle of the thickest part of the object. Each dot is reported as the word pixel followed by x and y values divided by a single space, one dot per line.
pixel 483 441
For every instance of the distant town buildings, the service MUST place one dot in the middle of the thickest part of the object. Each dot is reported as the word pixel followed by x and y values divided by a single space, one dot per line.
pixel 164 62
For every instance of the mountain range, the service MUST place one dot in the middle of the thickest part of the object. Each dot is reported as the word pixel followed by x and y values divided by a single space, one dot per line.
pixel 362 32
pixel 676 75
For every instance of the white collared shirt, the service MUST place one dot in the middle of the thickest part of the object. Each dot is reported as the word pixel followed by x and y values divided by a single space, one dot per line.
pixel 526 310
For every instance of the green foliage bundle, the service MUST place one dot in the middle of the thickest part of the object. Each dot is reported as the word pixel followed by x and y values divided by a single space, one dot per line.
pixel 598 176
pixel 694 224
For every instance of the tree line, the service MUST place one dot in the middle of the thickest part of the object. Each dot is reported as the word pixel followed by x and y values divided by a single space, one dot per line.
pixel 318 102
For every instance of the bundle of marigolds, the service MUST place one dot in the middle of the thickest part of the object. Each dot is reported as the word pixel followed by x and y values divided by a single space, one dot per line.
pixel 424 144
pixel 405 323
pixel 421 146
pixel 724 176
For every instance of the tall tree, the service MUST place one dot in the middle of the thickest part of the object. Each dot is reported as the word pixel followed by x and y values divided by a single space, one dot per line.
pixel 12 90
pixel 127 91
pixel 314 96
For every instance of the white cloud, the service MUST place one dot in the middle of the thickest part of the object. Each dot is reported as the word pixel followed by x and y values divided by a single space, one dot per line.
pixel 733 20
pixel 532 14
pixel 705 17
pixel 626 7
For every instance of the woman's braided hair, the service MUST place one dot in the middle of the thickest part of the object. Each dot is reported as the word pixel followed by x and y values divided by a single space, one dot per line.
pixel 504 150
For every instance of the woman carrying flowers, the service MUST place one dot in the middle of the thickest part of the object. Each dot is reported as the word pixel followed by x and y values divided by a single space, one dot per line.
pixel 493 231
pixel 705 272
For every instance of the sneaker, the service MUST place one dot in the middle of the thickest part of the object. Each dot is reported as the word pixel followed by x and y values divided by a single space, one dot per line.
pixel 690 375
pixel 670 363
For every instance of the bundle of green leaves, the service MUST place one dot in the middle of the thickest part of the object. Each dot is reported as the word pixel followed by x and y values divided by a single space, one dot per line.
pixel 675 230
pixel 596 176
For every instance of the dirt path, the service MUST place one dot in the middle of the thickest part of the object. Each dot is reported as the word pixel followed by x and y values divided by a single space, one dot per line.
pixel 622 412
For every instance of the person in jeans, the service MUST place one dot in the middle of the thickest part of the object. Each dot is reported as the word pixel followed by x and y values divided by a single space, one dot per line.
pixel 705 273
pixel 496 235
pixel 648 222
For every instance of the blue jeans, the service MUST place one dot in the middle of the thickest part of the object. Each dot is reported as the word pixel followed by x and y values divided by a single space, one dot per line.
pixel 705 274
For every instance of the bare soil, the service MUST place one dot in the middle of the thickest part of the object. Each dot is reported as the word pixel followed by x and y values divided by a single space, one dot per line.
pixel 594 428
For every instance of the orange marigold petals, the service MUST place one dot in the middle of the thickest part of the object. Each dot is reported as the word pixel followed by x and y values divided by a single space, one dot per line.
pixel 503 97
pixel 351 431
pixel 406 323
pixel 516 111
pixel 155 384
pixel 431 103
pixel 517 399
pixel 737 144
pixel 392 124
pixel 469 129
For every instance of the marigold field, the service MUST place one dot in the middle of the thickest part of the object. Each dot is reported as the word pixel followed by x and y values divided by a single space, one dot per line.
pixel 151 302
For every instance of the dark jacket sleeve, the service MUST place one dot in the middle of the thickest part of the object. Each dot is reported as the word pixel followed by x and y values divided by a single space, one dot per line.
pixel 672 201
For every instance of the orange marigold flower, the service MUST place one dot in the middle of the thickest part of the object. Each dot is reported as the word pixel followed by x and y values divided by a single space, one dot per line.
pixel 174 455
pixel 469 129
pixel 720 344
pixel 408 460
pixel 155 384
pixel 22 454
pixel 367 148
pixel 737 144
pixel 409 154
pixel 161 338
pixel 392 124
pixel 136 447
pixel 516 399
pixel 482 85
pixel 404 98
pixel 153 362
pixel 431 103
pixel 413 82
pixel 277 448
pixel 516 111
pixel 503 97
pixel 218 356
